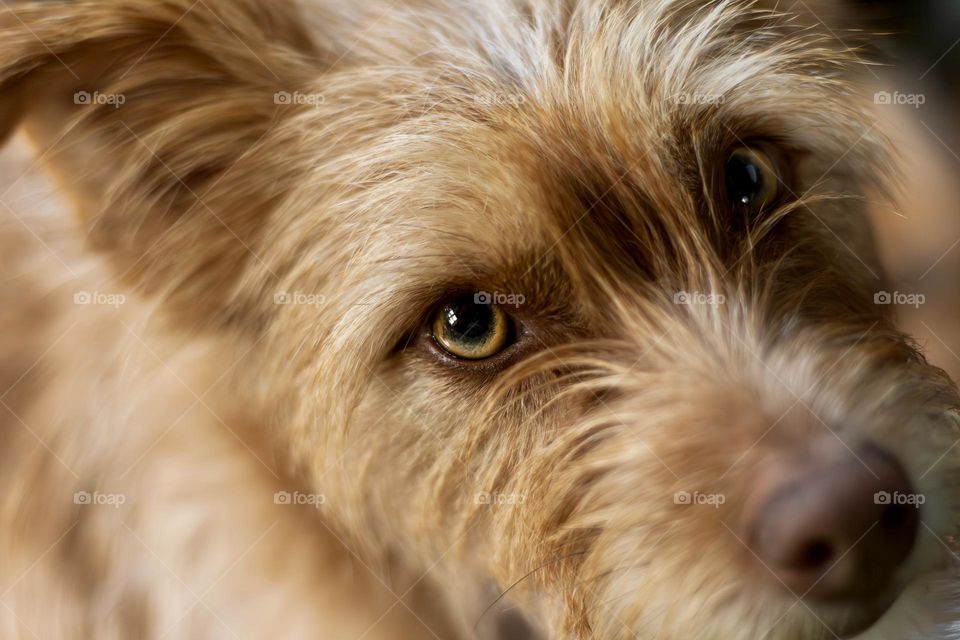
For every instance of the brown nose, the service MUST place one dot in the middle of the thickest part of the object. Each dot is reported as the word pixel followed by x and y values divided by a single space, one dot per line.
pixel 836 524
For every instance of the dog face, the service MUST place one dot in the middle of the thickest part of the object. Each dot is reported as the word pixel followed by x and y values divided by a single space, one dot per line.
pixel 579 292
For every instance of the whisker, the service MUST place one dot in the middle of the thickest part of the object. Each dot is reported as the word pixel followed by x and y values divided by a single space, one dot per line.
pixel 527 575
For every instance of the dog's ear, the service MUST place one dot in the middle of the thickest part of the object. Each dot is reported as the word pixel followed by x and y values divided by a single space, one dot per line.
pixel 153 118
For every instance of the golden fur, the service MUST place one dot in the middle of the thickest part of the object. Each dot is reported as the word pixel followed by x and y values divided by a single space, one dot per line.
pixel 530 146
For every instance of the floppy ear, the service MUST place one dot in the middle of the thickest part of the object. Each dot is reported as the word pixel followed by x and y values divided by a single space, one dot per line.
pixel 154 117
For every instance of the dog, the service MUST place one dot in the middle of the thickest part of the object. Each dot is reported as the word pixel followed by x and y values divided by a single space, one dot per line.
pixel 445 319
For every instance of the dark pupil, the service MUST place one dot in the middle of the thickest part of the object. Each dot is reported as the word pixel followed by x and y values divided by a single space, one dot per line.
pixel 744 179
pixel 467 321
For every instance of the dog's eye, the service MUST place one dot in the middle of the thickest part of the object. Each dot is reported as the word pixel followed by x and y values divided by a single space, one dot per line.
pixel 468 329
pixel 752 180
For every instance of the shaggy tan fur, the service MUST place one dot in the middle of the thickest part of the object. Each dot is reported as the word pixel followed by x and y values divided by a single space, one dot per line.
pixel 425 147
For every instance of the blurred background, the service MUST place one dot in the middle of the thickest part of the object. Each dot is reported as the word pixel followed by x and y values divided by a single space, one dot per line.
pixel 917 99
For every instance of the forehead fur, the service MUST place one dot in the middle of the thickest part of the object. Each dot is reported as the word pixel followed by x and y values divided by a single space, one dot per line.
pixel 509 123
pixel 619 69
pixel 506 121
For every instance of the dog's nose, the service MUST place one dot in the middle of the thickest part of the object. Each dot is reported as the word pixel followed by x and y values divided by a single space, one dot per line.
pixel 836 524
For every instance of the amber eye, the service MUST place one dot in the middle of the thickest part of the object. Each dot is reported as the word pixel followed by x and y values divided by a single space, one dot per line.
pixel 471 330
pixel 751 178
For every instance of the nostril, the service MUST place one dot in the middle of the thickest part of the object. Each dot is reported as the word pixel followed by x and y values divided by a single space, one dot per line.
pixel 815 555
pixel 894 517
